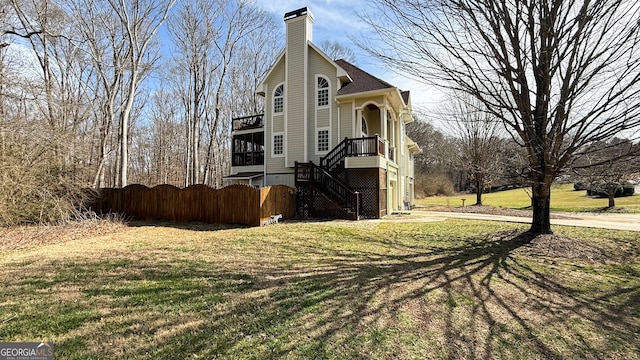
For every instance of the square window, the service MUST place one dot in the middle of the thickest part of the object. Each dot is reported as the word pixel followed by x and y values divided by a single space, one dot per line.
pixel 323 140
pixel 323 97
pixel 278 144
pixel 278 104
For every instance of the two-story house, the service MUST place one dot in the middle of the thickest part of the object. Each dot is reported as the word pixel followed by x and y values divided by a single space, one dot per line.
pixel 330 129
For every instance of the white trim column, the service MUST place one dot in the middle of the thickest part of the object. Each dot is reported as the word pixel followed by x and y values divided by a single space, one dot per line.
pixel 383 123
pixel 383 130
pixel 358 124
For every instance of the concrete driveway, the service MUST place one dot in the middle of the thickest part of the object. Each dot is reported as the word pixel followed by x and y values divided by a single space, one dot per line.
pixel 629 222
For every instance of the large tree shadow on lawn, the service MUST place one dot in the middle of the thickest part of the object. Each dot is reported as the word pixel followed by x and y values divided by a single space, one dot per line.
pixel 477 298
pixel 484 302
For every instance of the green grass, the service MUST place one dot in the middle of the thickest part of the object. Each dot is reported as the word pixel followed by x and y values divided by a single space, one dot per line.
pixel 563 198
pixel 451 289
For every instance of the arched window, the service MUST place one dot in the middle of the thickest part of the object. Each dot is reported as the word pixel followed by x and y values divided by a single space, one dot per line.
pixel 323 91
pixel 278 99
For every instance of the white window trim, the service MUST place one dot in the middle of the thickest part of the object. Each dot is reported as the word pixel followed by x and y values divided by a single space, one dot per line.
pixel 364 120
pixel 273 99
pixel 328 130
pixel 328 92
pixel 273 145
pixel 403 133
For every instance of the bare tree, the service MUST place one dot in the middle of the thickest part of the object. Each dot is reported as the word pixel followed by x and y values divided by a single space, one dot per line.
pixel 223 54
pixel 253 60
pixel 140 20
pixel 477 131
pixel 436 169
pixel 102 40
pixel 39 178
pixel 559 74
pixel 118 34
pixel 60 65
pixel 336 50
pixel 430 140
pixel 167 151
pixel 239 20
pixel 194 30
pixel 605 167
pixel 8 27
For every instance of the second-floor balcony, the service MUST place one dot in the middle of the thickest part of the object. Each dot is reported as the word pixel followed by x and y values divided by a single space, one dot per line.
pixel 354 147
pixel 248 122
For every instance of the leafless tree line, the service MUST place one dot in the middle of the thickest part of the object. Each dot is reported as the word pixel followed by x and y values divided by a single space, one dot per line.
pixel 467 149
pixel 103 93
pixel 94 73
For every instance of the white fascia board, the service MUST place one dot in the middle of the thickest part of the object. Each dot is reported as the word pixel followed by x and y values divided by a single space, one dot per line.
pixel 260 88
pixel 342 74
pixel 364 94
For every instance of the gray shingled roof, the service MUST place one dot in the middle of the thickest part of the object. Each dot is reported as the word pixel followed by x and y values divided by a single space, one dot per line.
pixel 362 80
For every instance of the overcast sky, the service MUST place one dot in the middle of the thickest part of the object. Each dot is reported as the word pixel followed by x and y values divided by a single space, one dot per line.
pixel 338 20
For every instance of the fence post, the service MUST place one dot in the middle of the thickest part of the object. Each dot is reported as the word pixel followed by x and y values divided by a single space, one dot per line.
pixel 357 205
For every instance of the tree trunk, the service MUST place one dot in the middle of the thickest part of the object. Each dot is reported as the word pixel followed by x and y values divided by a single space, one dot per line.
pixel 612 195
pixel 479 184
pixel 541 201
pixel 124 123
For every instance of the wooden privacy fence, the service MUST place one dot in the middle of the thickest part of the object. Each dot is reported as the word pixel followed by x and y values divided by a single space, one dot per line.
pixel 234 204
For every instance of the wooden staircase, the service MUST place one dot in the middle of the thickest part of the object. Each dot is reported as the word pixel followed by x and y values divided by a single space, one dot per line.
pixel 322 191
pixel 320 194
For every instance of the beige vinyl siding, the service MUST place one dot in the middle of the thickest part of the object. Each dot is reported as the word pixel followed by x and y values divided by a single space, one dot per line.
pixel 281 179
pixel 274 123
pixel 377 100
pixel 278 124
pixel 274 164
pixel 325 117
pixel 365 162
pixel 277 74
pixel 347 114
pixel 250 168
pixel 295 88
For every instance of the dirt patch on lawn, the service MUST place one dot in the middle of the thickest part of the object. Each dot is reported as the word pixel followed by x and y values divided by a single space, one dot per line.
pixel 554 246
pixel 484 209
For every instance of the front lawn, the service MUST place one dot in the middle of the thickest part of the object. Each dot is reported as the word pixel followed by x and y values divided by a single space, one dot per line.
pixel 337 290
pixel 563 198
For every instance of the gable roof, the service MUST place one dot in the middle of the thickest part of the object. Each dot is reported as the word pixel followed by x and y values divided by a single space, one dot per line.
pixel 358 80
pixel 362 81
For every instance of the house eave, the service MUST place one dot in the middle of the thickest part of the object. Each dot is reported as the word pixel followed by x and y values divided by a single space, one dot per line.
pixel 341 73
pixel 247 175
pixel 412 146
pixel 358 95
pixel 393 93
